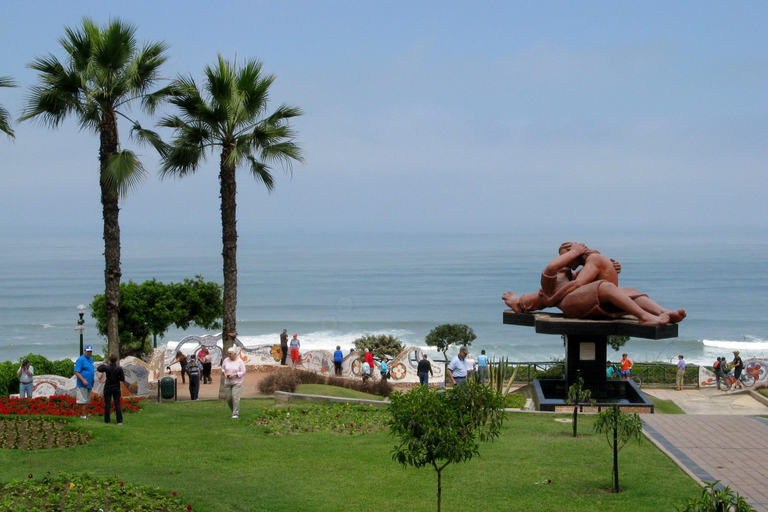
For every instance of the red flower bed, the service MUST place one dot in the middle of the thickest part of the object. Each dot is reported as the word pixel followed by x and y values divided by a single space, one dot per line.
pixel 61 406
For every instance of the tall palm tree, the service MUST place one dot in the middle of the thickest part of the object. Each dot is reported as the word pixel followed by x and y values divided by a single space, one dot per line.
pixel 230 117
pixel 104 73
pixel 5 117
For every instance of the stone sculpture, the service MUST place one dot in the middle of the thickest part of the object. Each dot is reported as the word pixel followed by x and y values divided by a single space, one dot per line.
pixel 591 292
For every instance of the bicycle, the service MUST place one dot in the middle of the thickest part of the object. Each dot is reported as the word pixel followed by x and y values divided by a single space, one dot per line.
pixel 747 379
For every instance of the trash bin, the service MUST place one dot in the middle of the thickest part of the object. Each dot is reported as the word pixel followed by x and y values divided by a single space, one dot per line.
pixel 166 389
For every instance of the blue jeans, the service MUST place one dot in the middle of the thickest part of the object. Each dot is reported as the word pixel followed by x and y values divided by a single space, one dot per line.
pixel 483 371
pixel 424 379
pixel 26 388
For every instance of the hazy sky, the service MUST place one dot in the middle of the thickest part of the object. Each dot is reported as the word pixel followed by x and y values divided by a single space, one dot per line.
pixel 433 116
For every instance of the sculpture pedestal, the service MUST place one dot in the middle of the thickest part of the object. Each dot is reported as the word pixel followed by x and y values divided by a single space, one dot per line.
pixel 585 355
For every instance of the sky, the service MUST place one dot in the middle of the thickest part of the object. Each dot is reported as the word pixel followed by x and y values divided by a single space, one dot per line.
pixel 427 116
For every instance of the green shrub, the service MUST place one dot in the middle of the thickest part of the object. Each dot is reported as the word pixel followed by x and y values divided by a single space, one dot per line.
pixel 9 381
pixel 280 381
pixel 290 380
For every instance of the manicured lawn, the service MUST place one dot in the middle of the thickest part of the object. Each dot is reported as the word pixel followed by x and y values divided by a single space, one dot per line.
pixel 216 463
pixel 665 406
pixel 323 390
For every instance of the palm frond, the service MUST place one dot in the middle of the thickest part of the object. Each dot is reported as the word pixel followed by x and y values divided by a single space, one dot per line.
pixel 5 122
pixel 149 137
pixel 262 173
pixel 7 81
pixel 181 159
pixel 124 172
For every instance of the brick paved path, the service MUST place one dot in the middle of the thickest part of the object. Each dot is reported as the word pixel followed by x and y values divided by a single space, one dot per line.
pixel 731 449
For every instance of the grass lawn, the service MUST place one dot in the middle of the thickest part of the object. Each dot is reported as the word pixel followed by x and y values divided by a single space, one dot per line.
pixel 665 406
pixel 216 463
pixel 323 390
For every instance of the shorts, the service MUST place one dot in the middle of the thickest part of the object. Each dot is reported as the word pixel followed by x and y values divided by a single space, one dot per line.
pixel 83 396
pixel 625 373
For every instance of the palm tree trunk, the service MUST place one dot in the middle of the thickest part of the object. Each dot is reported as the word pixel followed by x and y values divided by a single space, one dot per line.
pixel 228 185
pixel 110 212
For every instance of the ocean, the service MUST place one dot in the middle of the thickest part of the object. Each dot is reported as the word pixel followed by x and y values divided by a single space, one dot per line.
pixel 333 288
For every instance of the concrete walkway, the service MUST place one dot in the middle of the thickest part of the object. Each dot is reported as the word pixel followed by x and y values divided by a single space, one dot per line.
pixel 718 439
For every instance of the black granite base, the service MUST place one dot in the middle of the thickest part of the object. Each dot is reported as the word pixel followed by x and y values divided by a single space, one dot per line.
pixel 552 394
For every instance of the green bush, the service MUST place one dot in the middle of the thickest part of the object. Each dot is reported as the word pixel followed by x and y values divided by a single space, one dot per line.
pixel 9 381
pixel 289 380
pixel 664 373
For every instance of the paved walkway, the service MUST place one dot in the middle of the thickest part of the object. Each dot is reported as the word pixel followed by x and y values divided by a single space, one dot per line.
pixel 710 444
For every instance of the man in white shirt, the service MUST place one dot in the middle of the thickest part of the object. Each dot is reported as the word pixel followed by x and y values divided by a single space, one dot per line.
pixel 458 367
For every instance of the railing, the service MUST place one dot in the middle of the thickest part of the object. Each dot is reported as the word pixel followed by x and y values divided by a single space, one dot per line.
pixel 651 373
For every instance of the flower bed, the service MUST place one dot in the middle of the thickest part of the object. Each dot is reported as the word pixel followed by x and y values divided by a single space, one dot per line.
pixel 38 434
pixel 83 491
pixel 60 406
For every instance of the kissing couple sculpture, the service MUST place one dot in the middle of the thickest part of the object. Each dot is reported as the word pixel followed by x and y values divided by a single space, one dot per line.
pixel 591 292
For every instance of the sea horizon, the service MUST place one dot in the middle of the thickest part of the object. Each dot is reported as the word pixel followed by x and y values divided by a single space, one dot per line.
pixel 331 288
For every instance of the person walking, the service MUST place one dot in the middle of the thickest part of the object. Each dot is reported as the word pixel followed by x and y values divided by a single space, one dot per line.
pixel 738 366
pixel 680 372
pixel 284 345
pixel 482 366
pixel 338 357
pixel 204 359
pixel 233 370
pixel 424 370
pixel 719 367
pixel 193 370
pixel 383 368
pixel 295 346
pixel 369 358
pixel 26 373
pixel 84 372
pixel 365 371
pixel 457 369
pixel 115 376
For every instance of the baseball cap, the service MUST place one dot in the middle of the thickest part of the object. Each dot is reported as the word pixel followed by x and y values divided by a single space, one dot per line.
pixel 88 348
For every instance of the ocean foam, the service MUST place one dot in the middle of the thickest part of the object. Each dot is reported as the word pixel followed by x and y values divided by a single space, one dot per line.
pixel 742 345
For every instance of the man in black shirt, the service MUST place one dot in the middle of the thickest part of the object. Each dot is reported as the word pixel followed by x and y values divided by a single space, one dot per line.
pixel 114 378
pixel 424 369
pixel 284 345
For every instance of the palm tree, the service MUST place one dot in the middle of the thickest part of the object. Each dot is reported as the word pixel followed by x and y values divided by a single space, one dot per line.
pixel 5 117
pixel 104 72
pixel 230 117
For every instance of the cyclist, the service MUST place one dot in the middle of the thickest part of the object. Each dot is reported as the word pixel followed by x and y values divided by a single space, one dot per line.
pixel 738 365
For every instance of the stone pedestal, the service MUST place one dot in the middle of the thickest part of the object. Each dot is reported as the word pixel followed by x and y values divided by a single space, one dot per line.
pixel 586 349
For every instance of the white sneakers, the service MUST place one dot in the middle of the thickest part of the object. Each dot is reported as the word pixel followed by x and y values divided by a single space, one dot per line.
pixel 235 416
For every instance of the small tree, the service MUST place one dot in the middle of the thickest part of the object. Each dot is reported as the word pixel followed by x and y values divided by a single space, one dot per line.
pixel 618 428
pixel 150 308
pixel 436 428
pixel 443 336
pixel 578 395
pixel 379 345
pixel 616 341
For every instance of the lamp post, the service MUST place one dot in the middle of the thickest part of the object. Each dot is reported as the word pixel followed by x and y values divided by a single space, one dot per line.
pixel 79 328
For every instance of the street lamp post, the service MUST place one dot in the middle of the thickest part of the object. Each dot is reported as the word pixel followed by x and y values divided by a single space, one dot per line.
pixel 79 328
